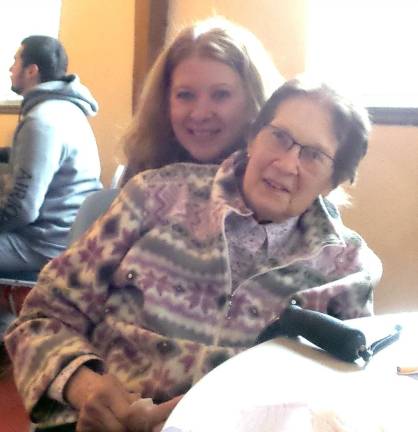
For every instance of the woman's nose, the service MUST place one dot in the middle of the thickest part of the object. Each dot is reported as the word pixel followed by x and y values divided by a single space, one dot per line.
pixel 288 162
pixel 202 109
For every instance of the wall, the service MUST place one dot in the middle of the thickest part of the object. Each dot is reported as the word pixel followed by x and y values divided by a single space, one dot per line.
pixel 385 212
pixel 288 45
pixel 7 125
pixel 385 199
pixel 99 38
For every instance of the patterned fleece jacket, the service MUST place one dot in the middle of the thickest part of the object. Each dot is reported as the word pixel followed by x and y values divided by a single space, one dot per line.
pixel 146 293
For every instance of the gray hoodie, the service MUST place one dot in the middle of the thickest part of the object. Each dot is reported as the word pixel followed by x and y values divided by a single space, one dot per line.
pixel 54 164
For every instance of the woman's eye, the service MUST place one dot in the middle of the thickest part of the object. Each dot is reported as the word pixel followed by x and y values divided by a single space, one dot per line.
pixel 184 95
pixel 312 154
pixel 280 135
pixel 221 94
pixel 282 138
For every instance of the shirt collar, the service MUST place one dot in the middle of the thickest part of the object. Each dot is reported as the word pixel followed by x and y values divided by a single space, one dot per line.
pixel 246 231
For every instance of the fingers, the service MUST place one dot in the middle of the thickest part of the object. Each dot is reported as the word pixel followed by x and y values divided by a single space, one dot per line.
pixel 92 420
pixel 161 412
pixel 144 416
pixel 158 428
pixel 133 397
pixel 105 407
pixel 110 408
pixel 115 397
pixel 138 417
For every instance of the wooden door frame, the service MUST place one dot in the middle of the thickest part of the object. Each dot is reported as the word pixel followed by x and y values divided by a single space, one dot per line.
pixel 150 34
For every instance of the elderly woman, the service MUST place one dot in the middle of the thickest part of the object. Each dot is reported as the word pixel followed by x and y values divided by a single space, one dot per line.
pixel 192 262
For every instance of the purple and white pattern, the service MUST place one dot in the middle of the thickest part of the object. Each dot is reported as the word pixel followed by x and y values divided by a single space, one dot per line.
pixel 174 279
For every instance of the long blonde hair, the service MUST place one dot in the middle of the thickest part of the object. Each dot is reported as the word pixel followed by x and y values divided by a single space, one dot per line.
pixel 150 141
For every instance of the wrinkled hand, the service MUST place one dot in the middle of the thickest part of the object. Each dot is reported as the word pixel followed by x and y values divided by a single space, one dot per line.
pixel 144 416
pixel 106 407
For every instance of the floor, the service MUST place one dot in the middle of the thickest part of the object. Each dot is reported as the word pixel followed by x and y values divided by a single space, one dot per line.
pixel 13 417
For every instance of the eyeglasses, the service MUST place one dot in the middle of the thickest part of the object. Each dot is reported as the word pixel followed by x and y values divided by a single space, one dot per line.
pixel 312 159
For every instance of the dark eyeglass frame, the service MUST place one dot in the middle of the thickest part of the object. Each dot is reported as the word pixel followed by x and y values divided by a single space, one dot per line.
pixel 283 131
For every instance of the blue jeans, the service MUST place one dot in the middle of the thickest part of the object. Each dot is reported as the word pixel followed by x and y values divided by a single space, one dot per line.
pixel 17 255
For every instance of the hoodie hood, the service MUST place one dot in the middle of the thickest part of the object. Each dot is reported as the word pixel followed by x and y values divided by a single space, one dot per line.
pixel 69 88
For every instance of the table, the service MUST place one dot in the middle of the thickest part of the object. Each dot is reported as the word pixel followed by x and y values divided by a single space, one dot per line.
pixel 276 386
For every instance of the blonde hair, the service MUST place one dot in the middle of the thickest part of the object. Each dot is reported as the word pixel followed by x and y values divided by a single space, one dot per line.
pixel 150 140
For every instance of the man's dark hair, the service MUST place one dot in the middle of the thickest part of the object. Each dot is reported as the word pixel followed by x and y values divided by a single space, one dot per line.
pixel 48 54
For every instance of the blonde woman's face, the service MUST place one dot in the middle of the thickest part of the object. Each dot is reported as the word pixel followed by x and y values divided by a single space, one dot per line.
pixel 209 108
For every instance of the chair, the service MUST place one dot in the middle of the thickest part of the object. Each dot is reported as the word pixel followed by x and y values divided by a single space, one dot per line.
pixel 92 208
pixel 14 286
pixel 117 176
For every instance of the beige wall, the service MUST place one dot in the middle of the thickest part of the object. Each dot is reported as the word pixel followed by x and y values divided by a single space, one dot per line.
pixel 385 210
pixel 7 125
pixel 99 38
pixel 287 47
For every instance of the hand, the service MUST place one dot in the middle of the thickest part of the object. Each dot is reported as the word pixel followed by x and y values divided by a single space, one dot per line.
pixel 102 401
pixel 144 416
pixel 105 406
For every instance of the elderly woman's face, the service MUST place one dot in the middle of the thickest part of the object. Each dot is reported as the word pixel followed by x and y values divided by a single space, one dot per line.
pixel 290 160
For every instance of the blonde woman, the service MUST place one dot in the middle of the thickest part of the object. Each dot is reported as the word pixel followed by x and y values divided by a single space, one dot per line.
pixel 200 96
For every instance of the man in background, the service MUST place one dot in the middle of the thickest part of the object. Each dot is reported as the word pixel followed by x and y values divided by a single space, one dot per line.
pixel 53 162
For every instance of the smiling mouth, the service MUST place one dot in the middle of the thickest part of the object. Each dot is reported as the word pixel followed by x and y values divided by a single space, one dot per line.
pixel 203 133
pixel 276 186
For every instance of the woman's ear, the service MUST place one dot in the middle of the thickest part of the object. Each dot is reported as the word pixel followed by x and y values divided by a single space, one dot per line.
pixel 249 148
pixel 250 141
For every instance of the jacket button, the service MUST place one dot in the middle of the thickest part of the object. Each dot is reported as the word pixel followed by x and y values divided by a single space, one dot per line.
pixel 131 275
pixel 221 300
pixel 165 347
pixel 179 289
pixel 253 311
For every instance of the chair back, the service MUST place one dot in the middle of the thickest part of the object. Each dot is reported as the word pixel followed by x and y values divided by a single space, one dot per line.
pixel 92 208
pixel 117 176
